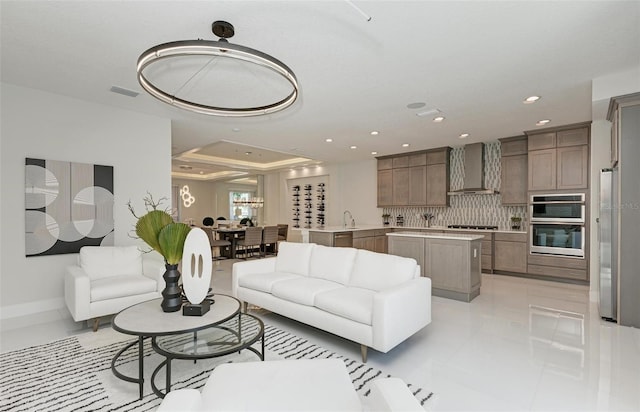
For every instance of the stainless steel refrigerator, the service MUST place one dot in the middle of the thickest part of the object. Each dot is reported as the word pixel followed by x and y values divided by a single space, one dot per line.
pixel 608 239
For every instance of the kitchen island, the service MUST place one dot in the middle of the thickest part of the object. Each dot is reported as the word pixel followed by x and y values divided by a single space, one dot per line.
pixel 451 260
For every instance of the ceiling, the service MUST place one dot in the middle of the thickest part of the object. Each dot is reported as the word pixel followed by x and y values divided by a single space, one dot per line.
pixel 472 61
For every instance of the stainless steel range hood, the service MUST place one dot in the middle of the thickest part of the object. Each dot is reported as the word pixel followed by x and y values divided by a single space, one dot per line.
pixel 473 172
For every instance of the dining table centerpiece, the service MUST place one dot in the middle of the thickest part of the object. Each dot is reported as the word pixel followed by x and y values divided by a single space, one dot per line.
pixel 160 232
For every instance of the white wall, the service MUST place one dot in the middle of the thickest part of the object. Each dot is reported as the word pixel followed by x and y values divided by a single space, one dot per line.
pixel 48 126
pixel 351 186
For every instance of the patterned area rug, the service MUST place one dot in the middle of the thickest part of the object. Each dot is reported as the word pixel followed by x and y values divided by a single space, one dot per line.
pixel 74 374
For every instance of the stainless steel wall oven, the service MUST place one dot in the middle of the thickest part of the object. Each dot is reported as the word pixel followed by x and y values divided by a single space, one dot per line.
pixel 557 224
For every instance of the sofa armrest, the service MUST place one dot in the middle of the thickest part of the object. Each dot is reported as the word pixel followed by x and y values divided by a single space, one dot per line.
pixel 153 267
pixel 240 269
pixel 401 311
pixel 77 293
pixel 392 394
pixel 181 400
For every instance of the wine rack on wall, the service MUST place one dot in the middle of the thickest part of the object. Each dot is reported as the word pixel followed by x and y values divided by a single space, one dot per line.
pixel 308 202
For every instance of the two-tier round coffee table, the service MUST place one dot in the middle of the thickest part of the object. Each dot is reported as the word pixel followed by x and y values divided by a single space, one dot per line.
pixel 222 330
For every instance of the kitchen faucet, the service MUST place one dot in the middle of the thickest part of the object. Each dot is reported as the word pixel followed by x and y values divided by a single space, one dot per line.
pixel 344 219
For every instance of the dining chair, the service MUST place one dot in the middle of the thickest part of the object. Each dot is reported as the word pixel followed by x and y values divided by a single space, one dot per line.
pixel 283 230
pixel 252 240
pixel 269 238
pixel 215 243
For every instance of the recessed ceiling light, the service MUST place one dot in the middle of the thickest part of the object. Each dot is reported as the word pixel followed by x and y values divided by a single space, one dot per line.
pixel 464 135
pixel 374 153
pixel 353 147
pixel 201 172
pixel 235 129
pixel 438 119
pixel 328 140
pixel 375 133
pixel 542 122
pixel 531 99
pixel 405 145
pixel 416 105
pixel 247 153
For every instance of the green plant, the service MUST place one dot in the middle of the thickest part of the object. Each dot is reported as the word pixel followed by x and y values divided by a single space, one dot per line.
pixel 516 219
pixel 158 230
pixel 386 216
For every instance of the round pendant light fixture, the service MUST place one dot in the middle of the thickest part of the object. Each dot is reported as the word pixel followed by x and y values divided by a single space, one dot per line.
pixel 167 58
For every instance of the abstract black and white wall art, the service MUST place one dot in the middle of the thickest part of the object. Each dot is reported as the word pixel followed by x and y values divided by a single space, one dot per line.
pixel 68 205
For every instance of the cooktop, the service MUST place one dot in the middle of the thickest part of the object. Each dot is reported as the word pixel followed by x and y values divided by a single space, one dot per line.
pixel 476 227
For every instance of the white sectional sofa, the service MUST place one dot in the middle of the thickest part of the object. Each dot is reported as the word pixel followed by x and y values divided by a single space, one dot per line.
pixel 374 299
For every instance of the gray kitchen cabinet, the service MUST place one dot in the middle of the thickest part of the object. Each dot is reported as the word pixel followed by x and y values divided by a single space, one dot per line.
pixel 364 239
pixel 415 179
pixel 487 248
pixel 572 167
pixel 385 187
pixel 454 268
pixel 437 185
pixel 401 186
pixel 411 247
pixel 572 137
pixel 452 264
pixel 510 252
pixel 513 146
pixel 333 239
pixel 385 163
pixel 542 141
pixel 558 159
pixel 557 267
pixel 513 176
pixel 417 185
pixel 514 170
pixel 400 161
pixel 438 177
pixel 541 172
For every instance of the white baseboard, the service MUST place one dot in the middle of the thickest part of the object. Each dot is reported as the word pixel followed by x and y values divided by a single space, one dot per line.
pixel 24 309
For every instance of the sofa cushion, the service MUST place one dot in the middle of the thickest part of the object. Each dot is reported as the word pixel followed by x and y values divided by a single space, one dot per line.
pixel 379 271
pixel 120 286
pixel 302 290
pixel 106 261
pixel 332 263
pixel 348 302
pixel 294 257
pixel 264 281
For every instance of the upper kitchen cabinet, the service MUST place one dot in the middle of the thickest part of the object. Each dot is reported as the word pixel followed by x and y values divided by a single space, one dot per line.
pixel 513 170
pixel 438 177
pixel 414 179
pixel 558 158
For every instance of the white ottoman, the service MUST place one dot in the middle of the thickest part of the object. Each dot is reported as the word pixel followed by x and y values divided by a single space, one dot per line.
pixel 290 385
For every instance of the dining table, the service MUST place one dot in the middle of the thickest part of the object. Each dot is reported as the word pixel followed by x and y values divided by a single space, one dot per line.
pixel 232 234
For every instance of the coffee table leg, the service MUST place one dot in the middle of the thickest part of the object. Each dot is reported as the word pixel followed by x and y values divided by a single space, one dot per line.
pixel 141 364
pixel 168 384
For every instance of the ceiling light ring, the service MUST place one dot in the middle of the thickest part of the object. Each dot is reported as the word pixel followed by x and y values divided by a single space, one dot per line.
pixel 222 49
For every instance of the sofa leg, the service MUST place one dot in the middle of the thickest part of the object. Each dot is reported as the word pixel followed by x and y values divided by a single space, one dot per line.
pixel 96 323
pixel 245 307
pixel 363 351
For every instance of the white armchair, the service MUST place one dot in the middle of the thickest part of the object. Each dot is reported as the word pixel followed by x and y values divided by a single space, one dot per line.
pixel 108 279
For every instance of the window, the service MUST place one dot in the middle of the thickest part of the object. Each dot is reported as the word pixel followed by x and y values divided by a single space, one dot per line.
pixel 239 211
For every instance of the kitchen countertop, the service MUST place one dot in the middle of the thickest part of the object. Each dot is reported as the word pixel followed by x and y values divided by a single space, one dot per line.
pixel 335 229
pixel 451 236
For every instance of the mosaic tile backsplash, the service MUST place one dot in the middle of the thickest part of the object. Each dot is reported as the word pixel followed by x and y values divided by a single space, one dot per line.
pixel 467 209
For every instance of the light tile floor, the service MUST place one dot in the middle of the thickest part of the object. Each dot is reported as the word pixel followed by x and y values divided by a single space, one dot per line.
pixel 523 344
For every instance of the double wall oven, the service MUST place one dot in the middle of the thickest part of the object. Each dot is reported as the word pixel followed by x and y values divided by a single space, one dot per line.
pixel 557 224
